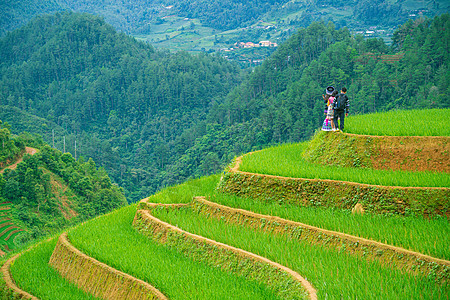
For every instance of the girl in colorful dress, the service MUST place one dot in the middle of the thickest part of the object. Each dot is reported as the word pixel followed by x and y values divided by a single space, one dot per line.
pixel 327 125
pixel 330 110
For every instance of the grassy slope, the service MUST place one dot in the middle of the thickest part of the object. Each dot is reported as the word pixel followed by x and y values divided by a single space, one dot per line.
pixel 428 122
pixel 33 274
pixel 335 275
pixel 206 186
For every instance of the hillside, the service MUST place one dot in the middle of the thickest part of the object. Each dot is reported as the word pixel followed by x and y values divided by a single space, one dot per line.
pixel 43 190
pixel 283 100
pixel 257 236
pixel 124 103
pixel 153 119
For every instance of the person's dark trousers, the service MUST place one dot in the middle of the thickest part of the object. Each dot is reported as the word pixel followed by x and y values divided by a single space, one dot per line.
pixel 339 114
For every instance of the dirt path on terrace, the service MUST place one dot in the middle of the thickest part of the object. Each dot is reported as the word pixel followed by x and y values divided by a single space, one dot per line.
pixel 28 150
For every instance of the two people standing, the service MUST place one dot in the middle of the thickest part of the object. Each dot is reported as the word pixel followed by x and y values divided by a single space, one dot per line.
pixel 337 108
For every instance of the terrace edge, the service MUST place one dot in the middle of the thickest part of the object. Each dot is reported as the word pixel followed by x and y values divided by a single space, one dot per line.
pixel 98 278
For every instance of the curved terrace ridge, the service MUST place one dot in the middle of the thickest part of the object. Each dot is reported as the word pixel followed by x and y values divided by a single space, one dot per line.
pixel 166 233
pixel 6 272
pixel 96 277
pixel 238 161
pixel 402 258
pixel 377 199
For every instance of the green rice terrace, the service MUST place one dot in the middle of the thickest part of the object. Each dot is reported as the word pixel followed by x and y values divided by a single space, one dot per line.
pixel 357 215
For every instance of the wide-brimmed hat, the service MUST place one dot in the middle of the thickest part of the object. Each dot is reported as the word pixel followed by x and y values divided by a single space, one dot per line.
pixel 329 90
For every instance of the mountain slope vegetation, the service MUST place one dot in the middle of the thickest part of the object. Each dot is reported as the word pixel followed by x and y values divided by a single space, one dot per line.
pixel 112 91
pixel 49 190
pixel 283 95
pixel 152 118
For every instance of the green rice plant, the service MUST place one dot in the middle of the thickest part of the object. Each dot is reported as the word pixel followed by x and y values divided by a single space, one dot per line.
pixel 32 274
pixel 427 236
pixel 287 160
pixel 183 193
pixel 112 240
pixel 426 122
pixel 335 274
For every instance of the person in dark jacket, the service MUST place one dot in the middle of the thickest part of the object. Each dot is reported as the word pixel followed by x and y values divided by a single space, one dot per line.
pixel 341 108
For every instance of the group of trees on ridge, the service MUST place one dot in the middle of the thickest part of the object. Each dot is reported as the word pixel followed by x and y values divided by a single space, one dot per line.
pixel 10 148
pixel 154 118
pixel 49 182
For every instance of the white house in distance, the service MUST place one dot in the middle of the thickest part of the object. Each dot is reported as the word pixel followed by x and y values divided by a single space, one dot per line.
pixel 267 44
pixel 252 45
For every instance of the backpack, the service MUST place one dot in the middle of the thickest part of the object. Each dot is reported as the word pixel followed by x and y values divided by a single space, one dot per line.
pixel 339 102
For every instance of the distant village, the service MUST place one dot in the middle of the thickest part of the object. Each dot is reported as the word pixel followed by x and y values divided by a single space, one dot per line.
pixel 239 45
pixel 252 45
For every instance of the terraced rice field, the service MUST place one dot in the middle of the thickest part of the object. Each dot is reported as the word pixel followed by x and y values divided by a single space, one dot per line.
pixel 256 236
pixel 8 230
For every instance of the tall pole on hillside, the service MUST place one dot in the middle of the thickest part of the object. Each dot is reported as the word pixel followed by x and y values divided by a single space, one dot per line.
pixel 64 144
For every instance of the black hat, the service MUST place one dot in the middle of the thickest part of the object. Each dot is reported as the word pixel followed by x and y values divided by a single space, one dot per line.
pixel 329 90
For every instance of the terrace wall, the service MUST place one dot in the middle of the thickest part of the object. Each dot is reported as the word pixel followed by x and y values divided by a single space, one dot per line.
pixel 333 193
pixel 406 260
pixel 226 257
pixel 97 278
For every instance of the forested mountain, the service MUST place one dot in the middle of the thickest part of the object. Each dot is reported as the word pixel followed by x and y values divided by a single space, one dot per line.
pixel 225 26
pixel 126 104
pixel 153 118
pixel 49 190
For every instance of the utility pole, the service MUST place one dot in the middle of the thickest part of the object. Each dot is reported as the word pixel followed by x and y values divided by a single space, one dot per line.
pixel 64 144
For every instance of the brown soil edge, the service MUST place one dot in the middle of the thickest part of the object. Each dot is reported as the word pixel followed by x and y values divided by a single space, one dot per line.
pixel 405 153
pixel 98 278
pixel 5 270
pixel 401 258
pixel 148 218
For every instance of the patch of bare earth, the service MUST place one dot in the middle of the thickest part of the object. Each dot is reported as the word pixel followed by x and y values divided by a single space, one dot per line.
pixel 13 166
pixel 412 153
pixel 64 205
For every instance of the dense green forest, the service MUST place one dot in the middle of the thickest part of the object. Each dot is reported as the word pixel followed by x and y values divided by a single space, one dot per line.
pixel 153 118
pixel 50 190
pixel 126 103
